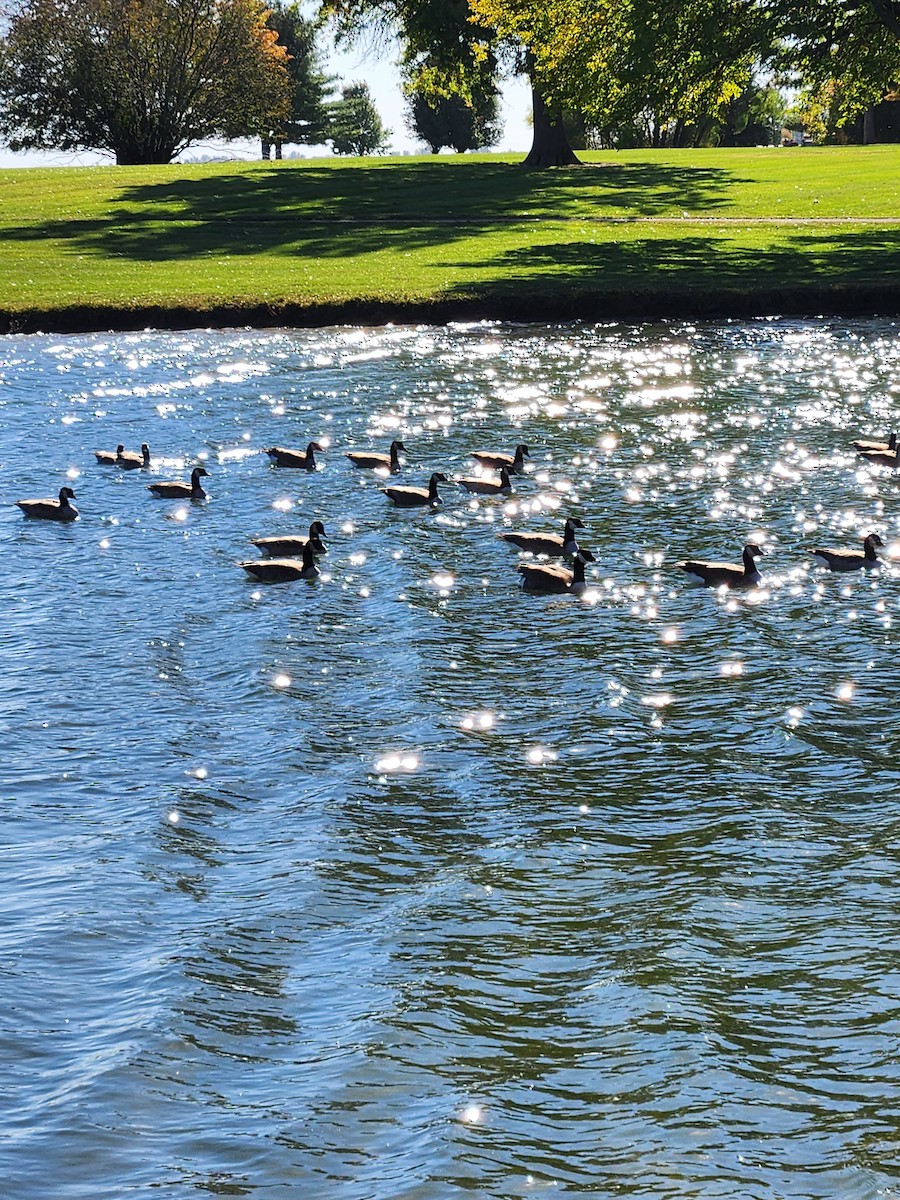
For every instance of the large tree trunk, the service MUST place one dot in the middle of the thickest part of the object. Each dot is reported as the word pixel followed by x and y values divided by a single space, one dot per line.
pixel 550 145
pixel 870 135
pixel 266 150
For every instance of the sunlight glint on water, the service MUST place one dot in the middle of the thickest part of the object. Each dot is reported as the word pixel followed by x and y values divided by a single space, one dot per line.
pixel 405 883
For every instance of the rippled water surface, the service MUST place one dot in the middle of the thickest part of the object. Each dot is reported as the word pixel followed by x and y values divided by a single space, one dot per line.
pixel 405 883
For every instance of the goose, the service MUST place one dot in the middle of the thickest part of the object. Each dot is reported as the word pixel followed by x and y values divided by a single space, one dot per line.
pixel 414 497
pixel 51 510
pixel 851 560
pixel 181 491
pixel 280 547
pixel 719 574
pixel 281 570
pixel 369 460
pixel 129 461
pixel 551 544
pixel 512 462
pixel 295 458
pixel 882 458
pixel 488 487
pixel 106 458
pixel 541 577
pixel 865 444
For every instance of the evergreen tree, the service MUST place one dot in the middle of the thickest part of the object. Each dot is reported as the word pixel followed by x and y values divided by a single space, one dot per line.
pixel 354 126
pixel 306 122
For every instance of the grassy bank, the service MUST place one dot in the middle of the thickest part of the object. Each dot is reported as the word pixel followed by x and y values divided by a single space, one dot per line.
pixel 634 234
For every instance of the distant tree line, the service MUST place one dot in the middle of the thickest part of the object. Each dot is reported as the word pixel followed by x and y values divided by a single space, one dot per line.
pixel 144 79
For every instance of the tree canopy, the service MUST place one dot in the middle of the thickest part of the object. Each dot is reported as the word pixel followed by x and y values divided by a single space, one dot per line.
pixel 615 60
pixel 306 120
pixel 460 122
pixel 354 126
pixel 142 79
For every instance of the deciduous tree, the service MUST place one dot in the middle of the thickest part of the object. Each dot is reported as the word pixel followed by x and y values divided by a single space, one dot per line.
pixel 460 122
pixel 142 79
pixel 620 61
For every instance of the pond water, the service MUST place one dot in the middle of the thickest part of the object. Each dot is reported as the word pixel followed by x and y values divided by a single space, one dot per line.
pixel 405 883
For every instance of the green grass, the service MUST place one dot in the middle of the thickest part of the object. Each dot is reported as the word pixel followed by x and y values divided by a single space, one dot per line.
pixel 680 228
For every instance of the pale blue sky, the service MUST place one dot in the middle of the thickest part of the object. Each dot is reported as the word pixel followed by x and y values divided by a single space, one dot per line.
pixel 374 64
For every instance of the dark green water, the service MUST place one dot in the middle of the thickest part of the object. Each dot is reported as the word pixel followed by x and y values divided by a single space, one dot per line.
pixel 404 884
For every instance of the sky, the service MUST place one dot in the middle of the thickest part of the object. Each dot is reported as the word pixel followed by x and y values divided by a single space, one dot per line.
pixel 378 68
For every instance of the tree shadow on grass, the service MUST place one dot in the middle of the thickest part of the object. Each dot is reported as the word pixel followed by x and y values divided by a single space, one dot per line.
pixel 431 191
pixel 800 263
pixel 325 212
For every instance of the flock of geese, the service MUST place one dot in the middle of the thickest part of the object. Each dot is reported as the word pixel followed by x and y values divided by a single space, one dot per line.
pixel 294 557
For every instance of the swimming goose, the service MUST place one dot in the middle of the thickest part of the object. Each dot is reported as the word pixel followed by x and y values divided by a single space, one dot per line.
pixel 369 460
pixel 106 457
pixel 51 510
pixel 280 547
pixel 882 458
pixel 864 444
pixel 541 577
pixel 488 487
pixel 295 458
pixel 129 461
pixel 413 497
pixel 851 560
pixel 181 491
pixel 552 544
pixel 717 574
pixel 281 570
pixel 512 462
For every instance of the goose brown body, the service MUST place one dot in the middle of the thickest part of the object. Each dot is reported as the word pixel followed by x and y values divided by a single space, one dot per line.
pixel 851 560
pixel 878 447
pixel 554 545
pixel 282 456
pixel 177 490
pixel 514 463
pixel 109 458
pixel 415 497
pixel 720 574
pixel 488 487
pixel 372 461
pixel 283 570
pixel 51 510
pixel 129 461
pixel 288 546
pixel 882 458
pixel 542 577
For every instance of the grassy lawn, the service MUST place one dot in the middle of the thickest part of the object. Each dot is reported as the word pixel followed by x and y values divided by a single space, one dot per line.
pixel 685 229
